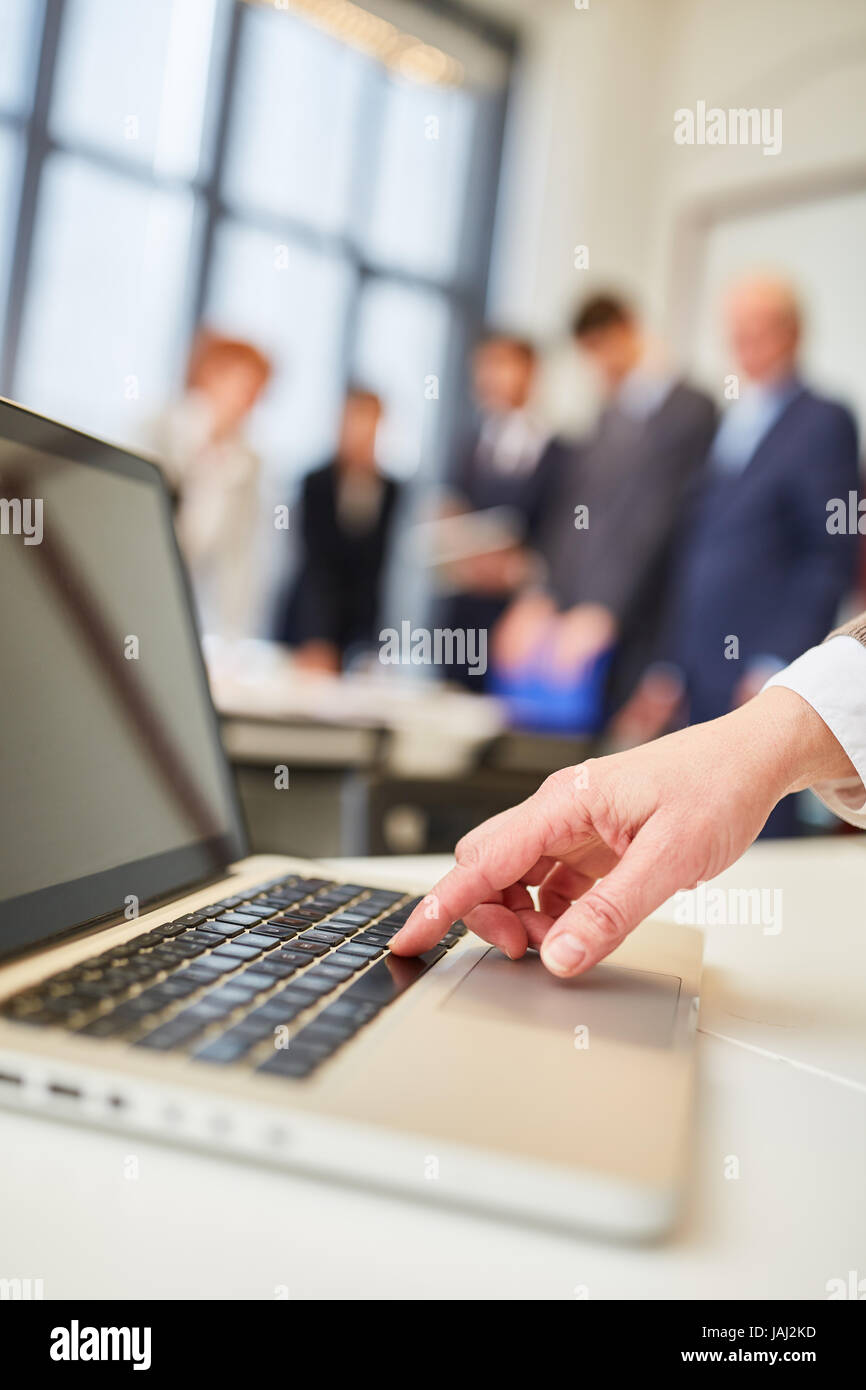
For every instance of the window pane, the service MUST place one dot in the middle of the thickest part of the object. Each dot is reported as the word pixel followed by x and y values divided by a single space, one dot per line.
pixel 11 153
pixel 296 111
pixel 17 52
pixel 291 302
pixel 132 79
pixel 400 353
pixel 421 190
pixel 103 331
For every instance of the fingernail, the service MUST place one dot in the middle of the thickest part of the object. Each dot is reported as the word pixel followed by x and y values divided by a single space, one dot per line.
pixel 563 955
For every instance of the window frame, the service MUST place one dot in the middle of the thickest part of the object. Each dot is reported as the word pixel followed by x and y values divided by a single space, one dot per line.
pixel 465 291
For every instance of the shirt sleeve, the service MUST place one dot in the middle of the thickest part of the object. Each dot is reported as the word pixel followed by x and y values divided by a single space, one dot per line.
pixel 832 679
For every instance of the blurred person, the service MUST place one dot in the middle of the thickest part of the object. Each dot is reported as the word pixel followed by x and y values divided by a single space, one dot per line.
pixel 760 575
pixel 509 462
pixel 347 510
pixel 213 474
pixel 606 566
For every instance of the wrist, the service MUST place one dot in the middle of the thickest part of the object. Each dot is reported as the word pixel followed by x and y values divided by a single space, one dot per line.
pixel 798 748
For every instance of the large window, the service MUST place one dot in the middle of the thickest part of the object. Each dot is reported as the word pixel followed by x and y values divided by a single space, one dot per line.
pixel 186 161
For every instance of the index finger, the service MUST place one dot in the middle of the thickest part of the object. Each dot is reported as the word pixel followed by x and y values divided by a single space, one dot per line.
pixel 490 859
pixel 462 888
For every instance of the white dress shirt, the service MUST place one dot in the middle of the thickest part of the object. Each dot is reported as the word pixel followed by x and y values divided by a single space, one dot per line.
pixel 512 444
pixel 217 516
pixel 832 679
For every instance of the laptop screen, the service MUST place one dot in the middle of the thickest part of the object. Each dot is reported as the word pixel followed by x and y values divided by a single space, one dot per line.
pixel 113 785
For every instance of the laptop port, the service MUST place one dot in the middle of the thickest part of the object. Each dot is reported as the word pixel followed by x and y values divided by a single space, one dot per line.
pixel 71 1092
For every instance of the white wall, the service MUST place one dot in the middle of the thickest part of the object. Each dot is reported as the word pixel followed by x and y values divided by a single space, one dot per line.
pixel 590 155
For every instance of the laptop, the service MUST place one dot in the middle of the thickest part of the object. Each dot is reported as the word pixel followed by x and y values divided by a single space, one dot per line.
pixel 155 979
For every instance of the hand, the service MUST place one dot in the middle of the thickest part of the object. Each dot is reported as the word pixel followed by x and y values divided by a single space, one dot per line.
pixel 319 656
pixel 522 630
pixel 495 572
pixel 582 634
pixel 608 842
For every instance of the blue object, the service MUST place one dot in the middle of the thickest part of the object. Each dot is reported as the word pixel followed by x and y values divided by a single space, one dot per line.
pixel 540 699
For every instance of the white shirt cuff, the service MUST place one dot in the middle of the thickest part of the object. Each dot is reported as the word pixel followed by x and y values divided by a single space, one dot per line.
pixel 832 679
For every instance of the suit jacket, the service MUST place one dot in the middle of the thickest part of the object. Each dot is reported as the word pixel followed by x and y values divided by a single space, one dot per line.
pixel 528 493
pixel 758 562
pixel 335 596
pixel 634 476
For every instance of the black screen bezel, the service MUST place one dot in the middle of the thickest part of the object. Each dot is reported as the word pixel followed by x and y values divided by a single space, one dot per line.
pixel 38 918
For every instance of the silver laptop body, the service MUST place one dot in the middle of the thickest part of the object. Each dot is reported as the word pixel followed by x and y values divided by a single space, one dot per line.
pixel 155 979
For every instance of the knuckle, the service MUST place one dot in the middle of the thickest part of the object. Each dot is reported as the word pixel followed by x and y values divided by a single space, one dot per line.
pixel 468 851
pixel 559 781
pixel 605 919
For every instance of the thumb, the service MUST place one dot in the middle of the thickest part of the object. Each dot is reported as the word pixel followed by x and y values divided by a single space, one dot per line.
pixel 595 925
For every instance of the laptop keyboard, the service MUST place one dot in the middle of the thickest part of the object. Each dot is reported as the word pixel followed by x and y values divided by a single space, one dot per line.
pixel 276 980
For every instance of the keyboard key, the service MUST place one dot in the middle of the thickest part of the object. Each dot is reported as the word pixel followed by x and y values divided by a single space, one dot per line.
pixel 254 940
pixel 172 1034
pixel 184 949
pixel 199 937
pixel 277 968
pixel 347 960
pixel 258 913
pixel 258 1029
pixel 280 1010
pixel 255 979
pixel 225 930
pixel 178 986
pixel 108 1026
pixel 231 948
pixel 336 972
pixel 229 1048
pixel 317 1042
pixel 322 1029
pixel 358 948
pixel 234 994
pixel 315 984
pixel 307 948
pixel 239 919
pixel 289 1063
pixel 345 1008
pixel 216 964
pixel 196 973
pixel 388 979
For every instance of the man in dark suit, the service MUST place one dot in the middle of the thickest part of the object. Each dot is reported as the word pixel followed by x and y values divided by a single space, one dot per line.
pixel 607 539
pixel 348 510
pixel 761 573
pixel 509 462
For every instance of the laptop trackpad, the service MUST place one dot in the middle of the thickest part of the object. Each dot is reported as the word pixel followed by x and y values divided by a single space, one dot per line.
pixel 632 1006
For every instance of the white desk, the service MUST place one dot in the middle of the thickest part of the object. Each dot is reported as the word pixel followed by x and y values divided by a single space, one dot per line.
pixel 782 1087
